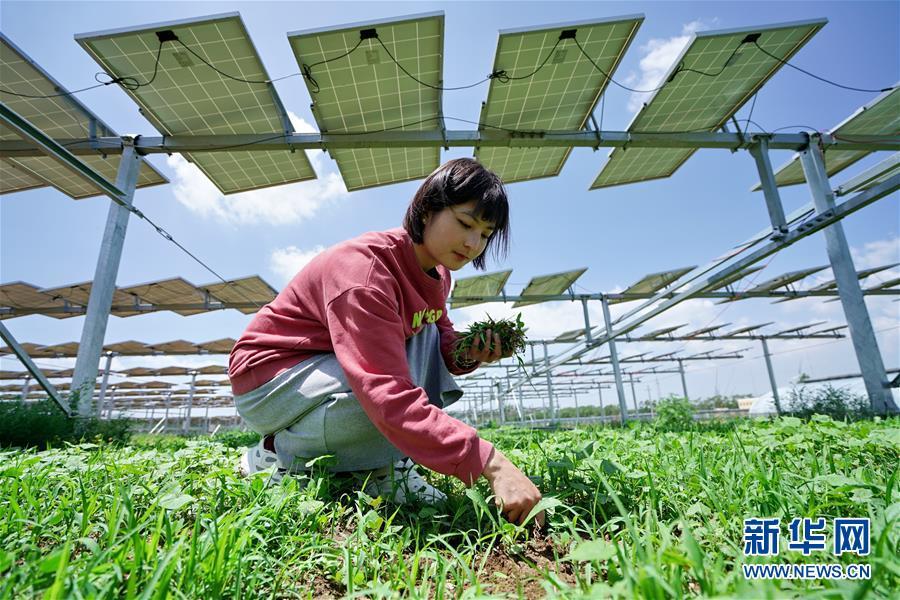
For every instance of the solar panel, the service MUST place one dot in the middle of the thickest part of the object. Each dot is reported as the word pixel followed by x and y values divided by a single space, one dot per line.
pixel 138 372
pixel 569 336
pixel 483 286
pixel 66 349
pixel 879 117
pixel 559 96
pixel 165 371
pixel 213 370
pixel 365 91
pixel 704 330
pixel 241 291
pixel 129 348
pixel 80 293
pixel 58 117
pixel 549 285
pixel 656 281
pixel 737 276
pixel 169 291
pixel 872 176
pixel 189 97
pixel 221 346
pixel 660 332
pixel 785 279
pixel 746 329
pixel 33 350
pixel 28 297
pixel 175 347
pixel 690 101
pixel 800 328
pixel 885 284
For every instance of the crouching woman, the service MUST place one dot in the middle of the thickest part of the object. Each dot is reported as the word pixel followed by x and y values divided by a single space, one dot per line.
pixel 355 357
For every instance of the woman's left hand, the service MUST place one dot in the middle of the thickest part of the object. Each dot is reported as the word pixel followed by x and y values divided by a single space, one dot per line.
pixel 481 350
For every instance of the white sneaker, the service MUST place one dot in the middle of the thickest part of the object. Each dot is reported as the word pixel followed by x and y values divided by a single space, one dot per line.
pixel 401 483
pixel 258 459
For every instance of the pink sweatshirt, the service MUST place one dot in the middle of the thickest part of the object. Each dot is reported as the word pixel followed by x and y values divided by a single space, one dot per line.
pixel 362 299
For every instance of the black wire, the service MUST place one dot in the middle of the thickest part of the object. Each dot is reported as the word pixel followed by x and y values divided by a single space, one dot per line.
pixel 223 73
pixel 608 77
pixel 169 237
pixel 814 76
pixel 307 69
pixel 503 77
pixel 127 82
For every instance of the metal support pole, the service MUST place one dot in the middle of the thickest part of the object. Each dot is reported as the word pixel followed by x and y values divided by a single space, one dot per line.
pixel 871 365
pixel 495 391
pixel 577 413
pixel 683 380
pixel 104 383
pixel 103 286
pixel 166 417
pixel 633 394
pixel 549 383
pixel 614 357
pixel 587 321
pixel 111 403
pixel 771 371
pixel 190 402
pixel 521 404
pixel 760 153
pixel 26 387
pixel 206 417
pixel 600 397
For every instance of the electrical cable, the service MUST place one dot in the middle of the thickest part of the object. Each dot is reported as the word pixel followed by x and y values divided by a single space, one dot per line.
pixel 814 76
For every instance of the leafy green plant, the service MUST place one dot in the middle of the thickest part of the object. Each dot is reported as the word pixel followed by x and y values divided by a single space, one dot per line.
pixel 511 332
pixel 837 403
pixel 42 423
pixel 674 414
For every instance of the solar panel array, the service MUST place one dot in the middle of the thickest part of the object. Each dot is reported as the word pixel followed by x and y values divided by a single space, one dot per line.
pixel 182 95
pixel 712 78
pixel 364 91
pixel 879 117
pixel 60 117
pixel 561 94
pixel 175 294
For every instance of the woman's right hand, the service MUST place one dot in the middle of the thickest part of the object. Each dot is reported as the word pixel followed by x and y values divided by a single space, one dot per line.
pixel 514 493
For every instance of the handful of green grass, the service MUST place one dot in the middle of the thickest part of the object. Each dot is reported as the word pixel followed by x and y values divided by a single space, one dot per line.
pixel 511 332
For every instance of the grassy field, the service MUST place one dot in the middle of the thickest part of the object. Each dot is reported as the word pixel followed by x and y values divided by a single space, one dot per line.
pixel 634 513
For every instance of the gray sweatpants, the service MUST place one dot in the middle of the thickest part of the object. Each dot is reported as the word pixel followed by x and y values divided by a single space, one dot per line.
pixel 312 411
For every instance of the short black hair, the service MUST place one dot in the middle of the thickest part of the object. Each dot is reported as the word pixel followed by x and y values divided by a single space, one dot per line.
pixel 459 181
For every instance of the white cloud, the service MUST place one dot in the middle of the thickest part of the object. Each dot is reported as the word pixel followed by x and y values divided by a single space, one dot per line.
pixel 659 55
pixel 280 205
pixel 286 262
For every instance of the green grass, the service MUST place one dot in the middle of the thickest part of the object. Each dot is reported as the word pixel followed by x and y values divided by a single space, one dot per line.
pixel 634 513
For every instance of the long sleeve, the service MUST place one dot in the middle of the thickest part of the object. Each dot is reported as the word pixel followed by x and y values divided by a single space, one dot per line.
pixel 449 338
pixel 368 338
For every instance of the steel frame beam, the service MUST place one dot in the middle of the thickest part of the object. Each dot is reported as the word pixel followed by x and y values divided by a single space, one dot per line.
pixel 264 142
pixel 33 370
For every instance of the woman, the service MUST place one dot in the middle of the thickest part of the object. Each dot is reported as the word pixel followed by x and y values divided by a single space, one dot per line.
pixel 354 358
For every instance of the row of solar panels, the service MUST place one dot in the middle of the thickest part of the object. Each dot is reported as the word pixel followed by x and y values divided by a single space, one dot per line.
pixel 491 285
pixel 134 372
pixel 251 293
pixel 130 348
pixel 552 80
pixel 247 295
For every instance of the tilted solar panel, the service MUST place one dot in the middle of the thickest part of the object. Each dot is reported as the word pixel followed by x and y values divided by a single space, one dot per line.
pixel 357 88
pixel 180 94
pixel 712 78
pixel 61 116
pixel 881 116
pixel 549 285
pixel 548 84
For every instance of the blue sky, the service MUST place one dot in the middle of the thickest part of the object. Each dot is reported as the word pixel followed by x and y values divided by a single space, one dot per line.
pixel 619 234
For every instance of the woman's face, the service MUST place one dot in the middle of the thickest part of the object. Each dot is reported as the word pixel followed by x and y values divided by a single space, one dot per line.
pixel 453 237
